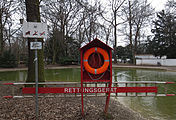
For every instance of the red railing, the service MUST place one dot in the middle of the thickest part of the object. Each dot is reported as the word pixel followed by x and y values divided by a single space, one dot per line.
pixel 119 89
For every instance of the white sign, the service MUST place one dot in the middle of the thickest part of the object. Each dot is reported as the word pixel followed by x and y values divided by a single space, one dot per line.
pixel 34 30
pixel 35 45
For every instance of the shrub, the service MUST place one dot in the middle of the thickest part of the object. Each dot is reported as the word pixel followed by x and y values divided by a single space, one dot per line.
pixel 8 60
pixel 67 61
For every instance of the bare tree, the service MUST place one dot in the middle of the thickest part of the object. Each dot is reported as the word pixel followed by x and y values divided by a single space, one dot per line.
pixel 106 31
pixel 171 6
pixel 89 19
pixel 7 8
pixel 115 6
pixel 62 15
pixel 138 13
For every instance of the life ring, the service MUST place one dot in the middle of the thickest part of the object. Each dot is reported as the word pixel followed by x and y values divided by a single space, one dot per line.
pixel 103 68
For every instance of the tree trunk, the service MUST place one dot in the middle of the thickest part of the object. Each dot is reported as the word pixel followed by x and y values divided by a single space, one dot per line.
pixel 130 36
pixel 115 37
pixel 136 43
pixel 33 15
pixel 54 55
pixel 1 33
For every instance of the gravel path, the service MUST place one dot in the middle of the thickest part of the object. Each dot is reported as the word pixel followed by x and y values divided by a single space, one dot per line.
pixel 62 108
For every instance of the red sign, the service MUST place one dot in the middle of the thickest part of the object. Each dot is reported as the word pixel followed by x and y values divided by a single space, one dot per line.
pixel 30 90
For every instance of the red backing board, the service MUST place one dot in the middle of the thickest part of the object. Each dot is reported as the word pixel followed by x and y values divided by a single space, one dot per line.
pixel 31 90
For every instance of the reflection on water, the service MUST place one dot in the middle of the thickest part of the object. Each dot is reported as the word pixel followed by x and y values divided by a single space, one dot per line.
pixel 69 75
pixel 163 108
pixel 50 75
pixel 13 76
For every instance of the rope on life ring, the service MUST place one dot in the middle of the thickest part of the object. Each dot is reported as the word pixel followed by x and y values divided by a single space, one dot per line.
pixel 103 68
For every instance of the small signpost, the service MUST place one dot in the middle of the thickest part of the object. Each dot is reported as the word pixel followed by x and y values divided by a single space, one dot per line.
pixel 35 30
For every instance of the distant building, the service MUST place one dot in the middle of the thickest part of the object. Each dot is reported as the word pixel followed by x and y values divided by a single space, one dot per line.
pixel 149 59
pixel 148 56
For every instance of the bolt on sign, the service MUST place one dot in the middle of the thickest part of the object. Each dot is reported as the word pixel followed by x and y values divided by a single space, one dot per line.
pixel 34 30
pixel 96 66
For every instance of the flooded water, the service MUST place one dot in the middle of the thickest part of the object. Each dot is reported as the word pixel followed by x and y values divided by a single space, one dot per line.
pixel 159 108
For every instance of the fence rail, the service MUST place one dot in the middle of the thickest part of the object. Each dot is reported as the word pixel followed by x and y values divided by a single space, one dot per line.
pixel 68 83
pixel 120 84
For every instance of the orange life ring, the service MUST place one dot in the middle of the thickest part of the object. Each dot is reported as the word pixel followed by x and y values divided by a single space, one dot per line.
pixel 103 68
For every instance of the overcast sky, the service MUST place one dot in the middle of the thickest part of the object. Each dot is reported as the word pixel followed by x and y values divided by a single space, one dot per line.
pixel 158 4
